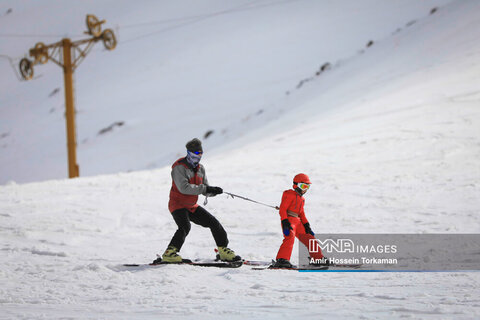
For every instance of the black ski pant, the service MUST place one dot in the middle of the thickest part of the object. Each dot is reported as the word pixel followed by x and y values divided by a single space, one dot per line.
pixel 202 217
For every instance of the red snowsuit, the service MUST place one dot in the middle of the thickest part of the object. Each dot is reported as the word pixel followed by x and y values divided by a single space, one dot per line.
pixel 291 208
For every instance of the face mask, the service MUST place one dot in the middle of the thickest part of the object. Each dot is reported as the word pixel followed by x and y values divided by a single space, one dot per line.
pixel 193 159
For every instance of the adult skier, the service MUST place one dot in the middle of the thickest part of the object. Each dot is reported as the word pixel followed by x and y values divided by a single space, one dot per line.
pixel 294 221
pixel 188 182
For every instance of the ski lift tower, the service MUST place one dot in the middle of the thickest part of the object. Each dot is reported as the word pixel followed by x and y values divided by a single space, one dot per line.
pixel 68 55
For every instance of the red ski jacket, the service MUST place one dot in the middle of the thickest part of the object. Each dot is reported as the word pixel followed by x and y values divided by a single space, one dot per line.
pixel 187 184
pixel 292 206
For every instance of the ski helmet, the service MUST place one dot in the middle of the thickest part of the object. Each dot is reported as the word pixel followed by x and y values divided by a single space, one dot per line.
pixel 301 177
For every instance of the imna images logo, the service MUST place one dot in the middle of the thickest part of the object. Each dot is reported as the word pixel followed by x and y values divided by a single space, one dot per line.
pixel 347 246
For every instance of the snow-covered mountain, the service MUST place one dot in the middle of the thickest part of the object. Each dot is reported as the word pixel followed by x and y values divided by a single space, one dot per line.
pixel 181 69
pixel 388 132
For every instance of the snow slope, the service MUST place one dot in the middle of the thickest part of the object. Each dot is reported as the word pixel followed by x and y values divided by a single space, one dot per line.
pixel 390 138
pixel 212 65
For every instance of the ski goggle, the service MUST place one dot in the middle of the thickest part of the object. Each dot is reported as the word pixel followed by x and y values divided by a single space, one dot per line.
pixel 197 152
pixel 303 186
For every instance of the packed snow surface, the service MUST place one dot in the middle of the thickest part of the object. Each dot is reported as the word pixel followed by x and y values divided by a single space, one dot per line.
pixel 389 135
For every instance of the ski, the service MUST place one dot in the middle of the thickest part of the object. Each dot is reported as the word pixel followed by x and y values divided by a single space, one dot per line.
pixel 294 268
pixel 216 264
pixel 256 263
pixel 310 268
pixel 351 266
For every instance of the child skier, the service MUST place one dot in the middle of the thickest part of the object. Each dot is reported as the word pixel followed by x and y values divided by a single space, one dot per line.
pixel 294 222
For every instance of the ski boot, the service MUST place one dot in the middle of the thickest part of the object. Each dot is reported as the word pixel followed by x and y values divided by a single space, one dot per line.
pixel 282 263
pixel 227 254
pixel 170 255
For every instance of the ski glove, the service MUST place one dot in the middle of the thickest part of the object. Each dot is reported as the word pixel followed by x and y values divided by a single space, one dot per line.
pixel 308 229
pixel 214 190
pixel 286 226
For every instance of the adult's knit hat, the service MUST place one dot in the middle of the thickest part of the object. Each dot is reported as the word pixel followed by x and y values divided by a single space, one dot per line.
pixel 194 145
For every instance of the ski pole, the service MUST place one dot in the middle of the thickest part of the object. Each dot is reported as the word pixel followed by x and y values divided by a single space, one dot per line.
pixel 244 198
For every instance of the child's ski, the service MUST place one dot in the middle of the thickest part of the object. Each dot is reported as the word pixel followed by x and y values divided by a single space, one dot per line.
pixel 294 268
pixel 310 268
pixel 351 266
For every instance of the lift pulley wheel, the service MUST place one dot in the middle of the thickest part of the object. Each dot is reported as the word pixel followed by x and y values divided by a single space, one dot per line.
pixel 109 40
pixel 26 69
pixel 94 26
pixel 40 53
